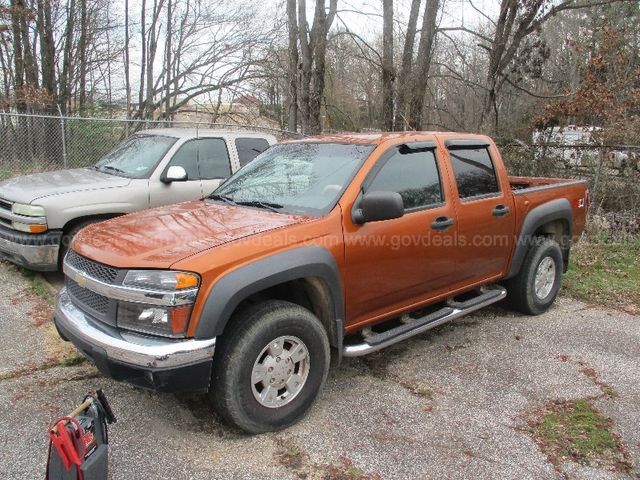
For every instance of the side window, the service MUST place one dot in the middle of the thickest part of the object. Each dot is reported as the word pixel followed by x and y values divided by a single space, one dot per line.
pixel 214 158
pixel 187 158
pixel 204 158
pixel 474 171
pixel 414 175
pixel 250 148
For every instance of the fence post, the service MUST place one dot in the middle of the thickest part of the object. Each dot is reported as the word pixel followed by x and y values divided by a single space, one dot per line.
pixel 64 138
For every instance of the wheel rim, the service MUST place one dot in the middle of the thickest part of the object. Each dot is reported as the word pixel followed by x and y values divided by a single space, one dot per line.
pixel 280 371
pixel 545 277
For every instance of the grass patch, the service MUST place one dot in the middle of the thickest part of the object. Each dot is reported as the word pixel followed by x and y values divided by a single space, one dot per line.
pixel 39 286
pixel 576 431
pixel 607 273
pixel 72 360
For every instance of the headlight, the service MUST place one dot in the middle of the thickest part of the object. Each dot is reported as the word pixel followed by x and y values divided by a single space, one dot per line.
pixel 165 321
pixel 166 280
pixel 28 210
pixel 29 227
pixel 153 319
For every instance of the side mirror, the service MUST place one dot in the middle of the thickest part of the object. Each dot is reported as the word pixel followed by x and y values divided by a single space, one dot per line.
pixel 377 206
pixel 175 173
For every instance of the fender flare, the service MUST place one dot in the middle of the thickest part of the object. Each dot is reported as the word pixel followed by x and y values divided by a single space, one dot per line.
pixel 296 264
pixel 559 209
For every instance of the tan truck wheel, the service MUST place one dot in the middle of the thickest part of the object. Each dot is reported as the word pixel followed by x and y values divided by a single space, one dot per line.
pixel 269 366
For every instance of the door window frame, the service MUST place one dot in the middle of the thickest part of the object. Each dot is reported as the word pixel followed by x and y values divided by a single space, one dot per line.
pixel 418 146
pixel 453 145
pixel 200 177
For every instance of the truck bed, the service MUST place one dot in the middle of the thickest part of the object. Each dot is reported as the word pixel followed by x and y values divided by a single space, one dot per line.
pixel 520 184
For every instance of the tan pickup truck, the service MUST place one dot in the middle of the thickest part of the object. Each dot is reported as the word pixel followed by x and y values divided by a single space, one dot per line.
pixel 339 243
pixel 40 214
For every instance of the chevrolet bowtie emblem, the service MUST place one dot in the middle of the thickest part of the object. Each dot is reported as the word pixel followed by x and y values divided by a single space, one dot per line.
pixel 81 279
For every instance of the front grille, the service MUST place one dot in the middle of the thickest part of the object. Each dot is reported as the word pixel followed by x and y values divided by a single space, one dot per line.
pixel 5 205
pixel 86 298
pixel 93 269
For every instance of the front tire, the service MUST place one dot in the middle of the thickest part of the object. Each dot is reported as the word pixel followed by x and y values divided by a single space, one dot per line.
pixel 534 289
pixel 269 366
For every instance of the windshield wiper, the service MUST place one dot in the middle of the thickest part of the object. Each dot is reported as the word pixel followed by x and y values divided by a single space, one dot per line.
pixel 110 168
pixel 274 207
pixel 224 198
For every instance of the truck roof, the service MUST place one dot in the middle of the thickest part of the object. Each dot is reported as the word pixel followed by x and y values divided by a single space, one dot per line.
pixel 381 137
pixel 203 132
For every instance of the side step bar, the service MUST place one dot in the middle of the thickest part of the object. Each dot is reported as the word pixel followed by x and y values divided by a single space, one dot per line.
pixel 451 311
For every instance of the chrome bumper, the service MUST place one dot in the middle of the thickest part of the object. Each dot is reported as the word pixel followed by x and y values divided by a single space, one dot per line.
pixel 35 257
pixel 125 347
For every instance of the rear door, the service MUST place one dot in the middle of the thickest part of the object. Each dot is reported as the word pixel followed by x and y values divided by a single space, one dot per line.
pixel 485 210
pixel 214 163
pixel 249 148
pixel 391 263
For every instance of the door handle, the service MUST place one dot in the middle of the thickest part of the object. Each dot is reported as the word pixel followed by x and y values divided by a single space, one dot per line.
pixel 500 211
pixel 442 223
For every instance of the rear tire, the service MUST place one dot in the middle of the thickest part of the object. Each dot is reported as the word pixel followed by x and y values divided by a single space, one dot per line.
pixel 534 289
pixel 269 366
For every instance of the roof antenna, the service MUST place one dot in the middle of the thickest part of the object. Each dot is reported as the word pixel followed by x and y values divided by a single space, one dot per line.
pixel 197 124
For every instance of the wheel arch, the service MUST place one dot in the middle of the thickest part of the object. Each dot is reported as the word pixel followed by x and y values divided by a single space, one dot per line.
pixel 307 276
pixel 552 219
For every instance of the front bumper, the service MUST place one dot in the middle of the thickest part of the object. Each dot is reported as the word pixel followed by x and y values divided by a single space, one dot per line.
pixel 33 251
pixel 149 362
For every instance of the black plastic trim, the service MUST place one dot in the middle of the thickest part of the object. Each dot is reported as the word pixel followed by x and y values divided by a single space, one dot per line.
pixel 235 286
pixel 51 237
pixel 559 209
pixel 466 143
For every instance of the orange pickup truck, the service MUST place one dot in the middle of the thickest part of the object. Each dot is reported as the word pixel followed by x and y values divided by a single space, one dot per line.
pixel 336 244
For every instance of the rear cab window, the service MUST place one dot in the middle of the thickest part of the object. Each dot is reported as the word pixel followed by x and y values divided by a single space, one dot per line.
pixel 249 148
pixel 474 171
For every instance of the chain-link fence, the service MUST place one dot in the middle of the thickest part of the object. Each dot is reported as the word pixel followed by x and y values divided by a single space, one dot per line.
pixel 37 143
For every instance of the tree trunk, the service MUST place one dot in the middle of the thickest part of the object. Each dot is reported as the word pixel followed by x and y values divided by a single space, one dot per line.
pixel 82 54
pixel 292 87
pixel 305 65
pixel 143 58
pixel 167 86
pixel 67 63
pixel 127 79
pixel 387 65
pixel 404 85
pixel 47 49
pixel 18 60
pixel 420 77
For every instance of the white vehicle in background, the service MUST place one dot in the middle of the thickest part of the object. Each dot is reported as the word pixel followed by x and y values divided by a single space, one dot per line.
pixel 571 144
pixel 40 214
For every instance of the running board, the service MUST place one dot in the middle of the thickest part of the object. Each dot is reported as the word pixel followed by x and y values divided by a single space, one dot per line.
pixel 452 310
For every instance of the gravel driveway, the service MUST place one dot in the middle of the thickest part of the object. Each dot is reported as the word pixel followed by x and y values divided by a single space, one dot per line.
pixel 451 403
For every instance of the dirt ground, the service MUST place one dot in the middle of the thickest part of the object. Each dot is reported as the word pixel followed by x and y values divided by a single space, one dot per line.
pixel 452 403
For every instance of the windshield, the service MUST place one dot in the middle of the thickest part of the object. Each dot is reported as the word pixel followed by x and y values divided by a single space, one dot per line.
pixel 136 157
pixel 306 178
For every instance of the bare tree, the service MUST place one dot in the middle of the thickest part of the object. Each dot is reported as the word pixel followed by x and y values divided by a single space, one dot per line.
pixel 388 70
pixel 423 63
pixel 403 84
pixel 292 71
pixel 313 49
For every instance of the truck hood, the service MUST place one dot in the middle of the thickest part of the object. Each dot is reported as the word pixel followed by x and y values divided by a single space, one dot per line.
pixel 160 237
pixel 29 188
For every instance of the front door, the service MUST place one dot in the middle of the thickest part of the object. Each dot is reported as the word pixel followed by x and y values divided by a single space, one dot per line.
pixel 391 263
pixel 166 193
